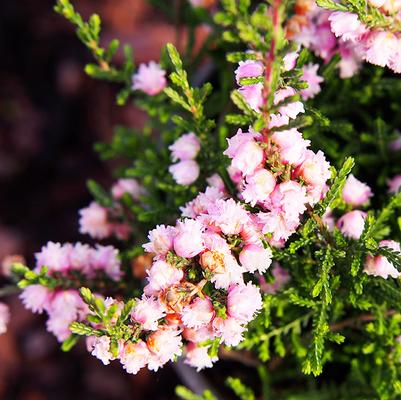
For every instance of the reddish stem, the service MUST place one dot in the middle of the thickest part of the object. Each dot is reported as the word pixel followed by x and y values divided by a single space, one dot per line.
pixel 269 62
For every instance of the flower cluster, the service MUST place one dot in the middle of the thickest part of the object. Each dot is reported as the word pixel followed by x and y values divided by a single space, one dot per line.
pixel 100 222
pixel 311 27
pixel 74 264
pixel 379 47
pixel 184 150
pixel 150 79
pixel 195 292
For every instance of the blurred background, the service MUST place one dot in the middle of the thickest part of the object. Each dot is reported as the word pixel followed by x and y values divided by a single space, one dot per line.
pixel 51 114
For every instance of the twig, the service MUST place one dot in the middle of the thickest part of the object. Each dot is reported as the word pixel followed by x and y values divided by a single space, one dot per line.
pixel 355 320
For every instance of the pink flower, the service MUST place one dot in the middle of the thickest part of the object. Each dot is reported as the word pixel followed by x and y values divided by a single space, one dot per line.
pixel 292 109
pixel 376 3
pixel 164 345
pixel 198 314
pixel 134 356
pixel 290 60
pixel 227 216
pixel 346 25
pixel 394 184
pixel 253 95
pixel 94 221
pixel 258 186
pixel 352 224
pixel 185 148
pixel 277 120
pixel 198 357
pixel 232 273
pixel 150 79
pixel 350 62
pixel 100 348
pixel 277 223
pixel 281 278
pixel 243 301
pixel 189 242
pixel 356 192
pixel 324 42
pixel 230 330
pixel 255 258
pixel 130 186
pixel 292 146
pixel 36 298
pixel 392 6
pixel 248 158
pixel 4 317
pixel 315 170
pixel 161 240
pixel 54 256
pixel 380 265
pixel 248 69
pixel 313 79
pixel 161 276
pixel 148 311
pixel 198 335
pixel 80 257
pixel 381 46
pixel 185 172
pixel 106 258
pixel 216 182
pixel 201 202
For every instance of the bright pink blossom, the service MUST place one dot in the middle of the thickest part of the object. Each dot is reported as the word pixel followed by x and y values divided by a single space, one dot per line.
pixel 243 301
pixel 160 276
pixel 185 172
pixel 379 265
pixel 253 95
pixel 314 80
pixel 161 240
pixel 255 258
pixel 188 241
pixel 199 313
pixel 185 148
pixel 94 221
pixel 394 184
pixel 148 311
pixel 100 348
pixel 130 186
pixel 346 25
pixel 356 192
pixel 230 330
pixel 352 223
pixel 36 298
pixel 258 186
pixel 54 256
pixel 198 357
pixel 248 69
pixel 134 356
pixel 150 79
pixel 314 170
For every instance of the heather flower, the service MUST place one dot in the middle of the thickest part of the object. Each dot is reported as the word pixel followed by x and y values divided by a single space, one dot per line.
pixel 105 258
pixel 248 69
pixel 185 148
pixel 230 330
pixel 292 109
pixel 255 258
pixel 394 184
pixel 277 223
pixel 227 215
pixel 292 146
pixel 197 314
pixel 130 186
pixel 36 298
pixel 248 158
pixel 346 25
pixel 161 276
pixel 54 256
pixel 164 345
pixel 381 46
pixel 148 311
pixel 258 186
pixel 198 357
pixel 231 274
pixel 198 335
pixel 352 223
pixel 243 301
pixel 253 95
pixel 315 170
pixel 216 182
pixel 188 241
pixel 356 192
pixel 80 257
pixel 201 202
pixel 161 240
pixel 185 172
pixel 100 348
pixel 379 265
pixel 290 60
pixel 134 356
pixel 314 80
pixel 4 317
pixel 94 221
pixel 150 79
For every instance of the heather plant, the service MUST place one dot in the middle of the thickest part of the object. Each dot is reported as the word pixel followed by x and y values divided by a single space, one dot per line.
pixel 255 217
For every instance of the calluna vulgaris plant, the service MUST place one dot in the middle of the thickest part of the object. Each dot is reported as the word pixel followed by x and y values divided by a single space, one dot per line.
pixel 242 232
